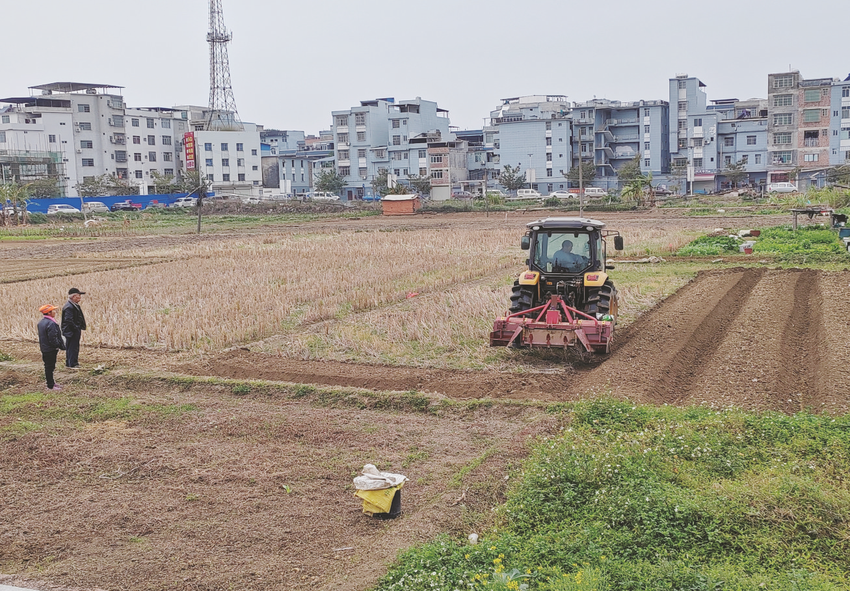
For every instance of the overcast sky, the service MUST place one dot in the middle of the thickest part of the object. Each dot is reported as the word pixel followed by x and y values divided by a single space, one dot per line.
pixel 292 62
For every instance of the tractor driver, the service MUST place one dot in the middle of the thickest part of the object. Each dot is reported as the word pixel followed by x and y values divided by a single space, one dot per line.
pixel 567 259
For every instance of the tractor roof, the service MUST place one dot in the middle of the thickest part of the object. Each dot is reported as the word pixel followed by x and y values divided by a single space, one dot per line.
pixel 566 223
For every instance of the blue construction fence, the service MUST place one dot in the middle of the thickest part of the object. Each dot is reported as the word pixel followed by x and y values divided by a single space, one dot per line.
pixel 146 201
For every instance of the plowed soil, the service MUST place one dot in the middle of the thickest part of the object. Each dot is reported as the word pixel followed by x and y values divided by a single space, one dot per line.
pixel 252 490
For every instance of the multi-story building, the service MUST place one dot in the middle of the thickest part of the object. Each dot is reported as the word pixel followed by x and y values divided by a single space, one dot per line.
pixel 375 138
pixel 742 139
pixel 229 159
pixel 839 126
pixel 151 143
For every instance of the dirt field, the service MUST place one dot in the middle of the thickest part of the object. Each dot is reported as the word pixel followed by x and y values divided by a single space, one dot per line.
pixel 252 489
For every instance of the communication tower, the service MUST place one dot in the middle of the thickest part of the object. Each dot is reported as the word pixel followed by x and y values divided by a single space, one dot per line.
pixel 222 113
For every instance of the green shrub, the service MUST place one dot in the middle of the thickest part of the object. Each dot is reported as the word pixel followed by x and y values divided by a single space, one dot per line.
pixel 710 246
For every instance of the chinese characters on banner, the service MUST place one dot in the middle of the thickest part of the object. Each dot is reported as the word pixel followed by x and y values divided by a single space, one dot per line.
pixel 189 146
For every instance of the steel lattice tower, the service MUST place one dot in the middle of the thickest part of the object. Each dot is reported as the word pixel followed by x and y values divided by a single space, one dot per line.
pixel 222 114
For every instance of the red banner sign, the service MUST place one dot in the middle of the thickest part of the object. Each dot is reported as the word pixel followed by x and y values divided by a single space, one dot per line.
pixel 189 149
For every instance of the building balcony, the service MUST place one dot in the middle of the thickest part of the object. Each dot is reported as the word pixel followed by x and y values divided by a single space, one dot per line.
pixel 621 121
pixel 812 143
pixel 624 155
pixel 626 138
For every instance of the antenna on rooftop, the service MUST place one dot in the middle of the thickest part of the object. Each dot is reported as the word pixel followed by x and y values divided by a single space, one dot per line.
pixel 222 114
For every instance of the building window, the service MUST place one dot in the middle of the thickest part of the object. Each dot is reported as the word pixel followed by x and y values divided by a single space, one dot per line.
pixel 166 157
pixel 423 153
pixel 138 174
pixel 812 95
pixel 680 162
pixel 362 172
pixel 646 145
pixel 360 119
pixel 342 138
pixel 254 167
pixel 83 108
pixel 343 154
pixel 810 157
pixel 86 126
pixel 137 157
pixel 782 157
pixel 224 147
pixel 151 140
pixel 548 156
pixel 698 162
pixel 745 159
pixel 683 105
pixel 88 161
pixel 845 92
pixel 646 128
pixel 436 159
pixel 396 140
pixel 683 143
pixel 436 174
pixel 241 176
pixel 209 161
pixel 168 172
pixel 240 162
pixel 361 136
pixel 149 122
pixel 698 122
pixel 361 153
pixel 344 170
pixel 396 123
pixel 782 119
pixel 758 159
pixel 134 122
pixel 811 115
pixel 548 172
pixel 697 142
pixel 751 140
pixel 342 121
pixel 646 163
pixel 782 100
pixel 120 156
pixel 137 139
pixel 683 124
pixel 380 154
pixel 646 112
pixel 548 141
pixel 240 147
pixel 165 123
pixel 86 144
pixel 225 177
pixel 423 171
pixel 166 140
pixel 682 84
pixel 253 152
pixel 729 142
pixel 208 147
pixel 51 139
pixel 152 156
pixel 781 138
pixel 5 119
pixel 728 160
pixel 783 82
pixel 225 162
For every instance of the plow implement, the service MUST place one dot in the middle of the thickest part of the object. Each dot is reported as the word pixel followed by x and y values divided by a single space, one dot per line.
pixel 554 324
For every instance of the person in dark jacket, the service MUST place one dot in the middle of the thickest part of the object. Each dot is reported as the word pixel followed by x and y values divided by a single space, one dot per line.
pixel 50 342
pixel 73 325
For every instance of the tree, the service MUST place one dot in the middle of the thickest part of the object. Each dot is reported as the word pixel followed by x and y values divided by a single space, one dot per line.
pixel 165 184
pixel 380 184
pixel 15 196
pixel 511 179
pixel 105 184
pixel 735 172
pixel 329 180
pixel 679 172
pixel 45 187
pixel 588 172
pixel 640 189
pixel 630 170
pixel 421 184
pixel 839 175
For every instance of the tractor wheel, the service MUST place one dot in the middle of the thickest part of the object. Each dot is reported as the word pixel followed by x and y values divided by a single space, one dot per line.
pixel 601 300
pixel 522 298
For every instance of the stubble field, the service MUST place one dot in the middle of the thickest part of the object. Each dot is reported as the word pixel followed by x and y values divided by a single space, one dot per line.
pixel 238 381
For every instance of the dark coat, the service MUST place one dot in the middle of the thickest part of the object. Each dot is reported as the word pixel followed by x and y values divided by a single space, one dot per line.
pixel 49 335
pixel 73 321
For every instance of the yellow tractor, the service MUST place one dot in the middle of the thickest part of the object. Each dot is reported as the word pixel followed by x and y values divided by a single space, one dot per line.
pixel 565 298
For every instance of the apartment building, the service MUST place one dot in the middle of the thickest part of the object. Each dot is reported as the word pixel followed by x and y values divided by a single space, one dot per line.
pixel 151 143
pixel 229 159
pixel 374 137
pixel 839 126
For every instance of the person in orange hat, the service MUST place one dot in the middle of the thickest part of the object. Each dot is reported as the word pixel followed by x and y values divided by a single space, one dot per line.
pixel 50 341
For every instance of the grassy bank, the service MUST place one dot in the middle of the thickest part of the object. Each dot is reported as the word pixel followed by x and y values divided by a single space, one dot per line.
pixel 643 498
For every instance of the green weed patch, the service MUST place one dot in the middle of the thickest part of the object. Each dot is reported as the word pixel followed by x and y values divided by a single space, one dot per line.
pixel 640 498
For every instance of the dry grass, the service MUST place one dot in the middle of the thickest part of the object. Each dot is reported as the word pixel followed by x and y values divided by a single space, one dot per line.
pixel 233 291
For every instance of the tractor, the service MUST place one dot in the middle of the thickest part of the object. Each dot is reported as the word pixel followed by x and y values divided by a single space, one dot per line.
pixel 565 298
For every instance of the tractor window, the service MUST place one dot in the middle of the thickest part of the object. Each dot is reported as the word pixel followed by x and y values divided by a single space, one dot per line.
pixel 562 252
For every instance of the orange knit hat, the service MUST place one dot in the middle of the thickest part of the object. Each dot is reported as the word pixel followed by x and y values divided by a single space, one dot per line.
pixel 46 308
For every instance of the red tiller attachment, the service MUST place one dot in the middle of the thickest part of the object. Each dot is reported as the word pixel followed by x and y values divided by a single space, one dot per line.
pixel 555 325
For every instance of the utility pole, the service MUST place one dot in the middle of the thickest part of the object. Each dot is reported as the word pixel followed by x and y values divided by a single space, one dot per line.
pixel 580 182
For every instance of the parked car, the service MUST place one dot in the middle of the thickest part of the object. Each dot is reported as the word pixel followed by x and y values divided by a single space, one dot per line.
pixel 459 194
pixel 61 208
pixel 185 202
pixel 324 196
pixel 595 192
pixel 663 190
pixel 126 206
pixel 782 188
pixel 527 194
pixel 95 207
pixel 561 195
